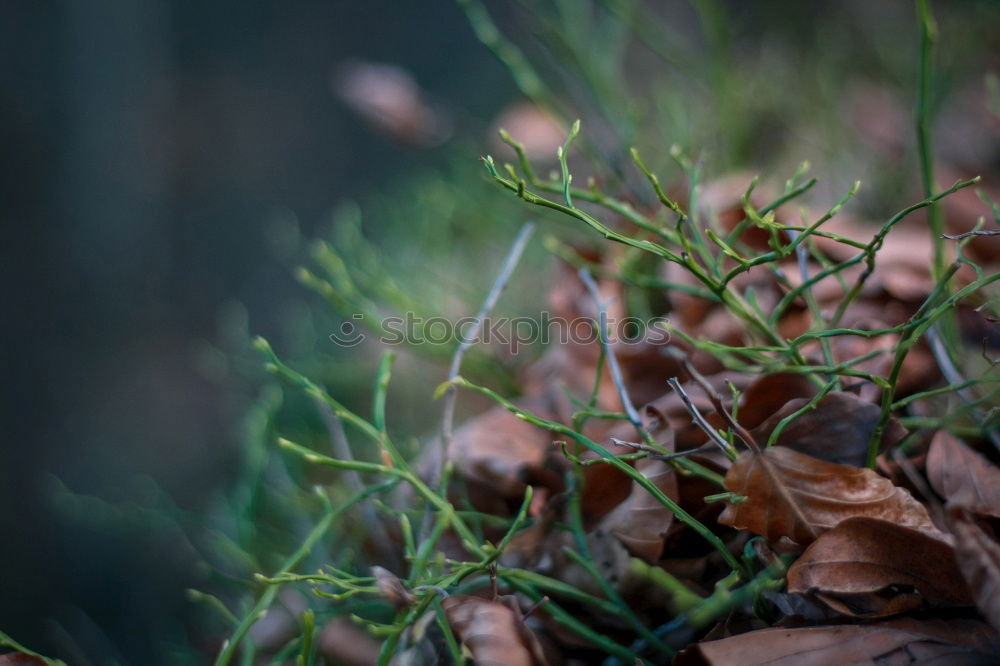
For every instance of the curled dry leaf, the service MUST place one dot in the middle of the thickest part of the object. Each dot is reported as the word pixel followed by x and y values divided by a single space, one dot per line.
pixel 20 659
pixel 793 495
pixel 962 476
pixel 494 631
pixel 872 568
pixel 837 430
pixel 538 132
pixel 767 394
pixel 389 99
pixel 392 589
pixel 638 520
pixel 498 453
pixel 641 522
pixel 902 641
pixel 978 555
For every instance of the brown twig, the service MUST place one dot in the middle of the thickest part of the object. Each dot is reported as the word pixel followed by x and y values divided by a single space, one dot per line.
pixel 655 455
pixel 467 340
pixel 953 376
pixel 616 372
pixel 974 232
pixel 697 417
pixel 716 401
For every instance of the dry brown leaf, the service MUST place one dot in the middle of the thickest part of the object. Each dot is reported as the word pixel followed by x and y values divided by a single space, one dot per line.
pixel 494 631
pixel 978 555
pixel 344 642
pixel 499 453
pixel 836 431
pixel 767 394
pixel 872 568
pixel 902 641
pixel 793 495
pixel 20 659
pixel 640 522
pixel 962 211
pixel 392 588
pixel 538 132
pixel 604 488
pixel 388 98
pixel 962 476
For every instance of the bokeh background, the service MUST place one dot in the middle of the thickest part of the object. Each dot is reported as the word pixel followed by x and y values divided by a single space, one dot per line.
pixel 148 148
pixel 158 156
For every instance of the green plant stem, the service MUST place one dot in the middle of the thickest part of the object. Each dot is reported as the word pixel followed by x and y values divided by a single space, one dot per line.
pixel 259 609
pixel 903 348
pixel 7 641
pixel 627 469
pixel 928 37
pixel 808 407
pixel 732 300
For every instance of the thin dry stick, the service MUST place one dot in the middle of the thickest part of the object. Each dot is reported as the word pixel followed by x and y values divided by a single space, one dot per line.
pixel 716 400
pixel 975 232
pixel 602 333
pixel 953 376
pixel 339 445
pixel 656 455
pixel 499 285
pixel 342 451
pixel 697 417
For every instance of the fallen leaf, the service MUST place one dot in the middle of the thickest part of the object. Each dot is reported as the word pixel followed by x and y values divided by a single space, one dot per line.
pixel 902 641
pixel 962 476
pixel 343 642
pixel 498 454
pixel 963 209
pixel 641 522
pixel 767 394
pixel 389 99
pixel 20 659
pixel 533 127
pixel 392 589
pixel 796 496
pixel 837 430
pixel 638 520
pixel 978 555
pixel 494 631
pixel 872 568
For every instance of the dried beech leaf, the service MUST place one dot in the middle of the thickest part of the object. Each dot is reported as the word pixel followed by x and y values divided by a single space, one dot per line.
pixel 344 642
pixel 536 130
pixel 963 476
pixel 767 394
pixel 978 555
pixel 793 495
pixel 902 641
pixel 494 631
pixel 20 659
pixel 837 430
pixel 865 567
pixel 641 522
pixel 391 588
pixel 500 451
pixel 389 99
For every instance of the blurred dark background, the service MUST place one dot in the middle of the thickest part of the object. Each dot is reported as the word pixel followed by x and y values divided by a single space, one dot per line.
pixel 146 146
